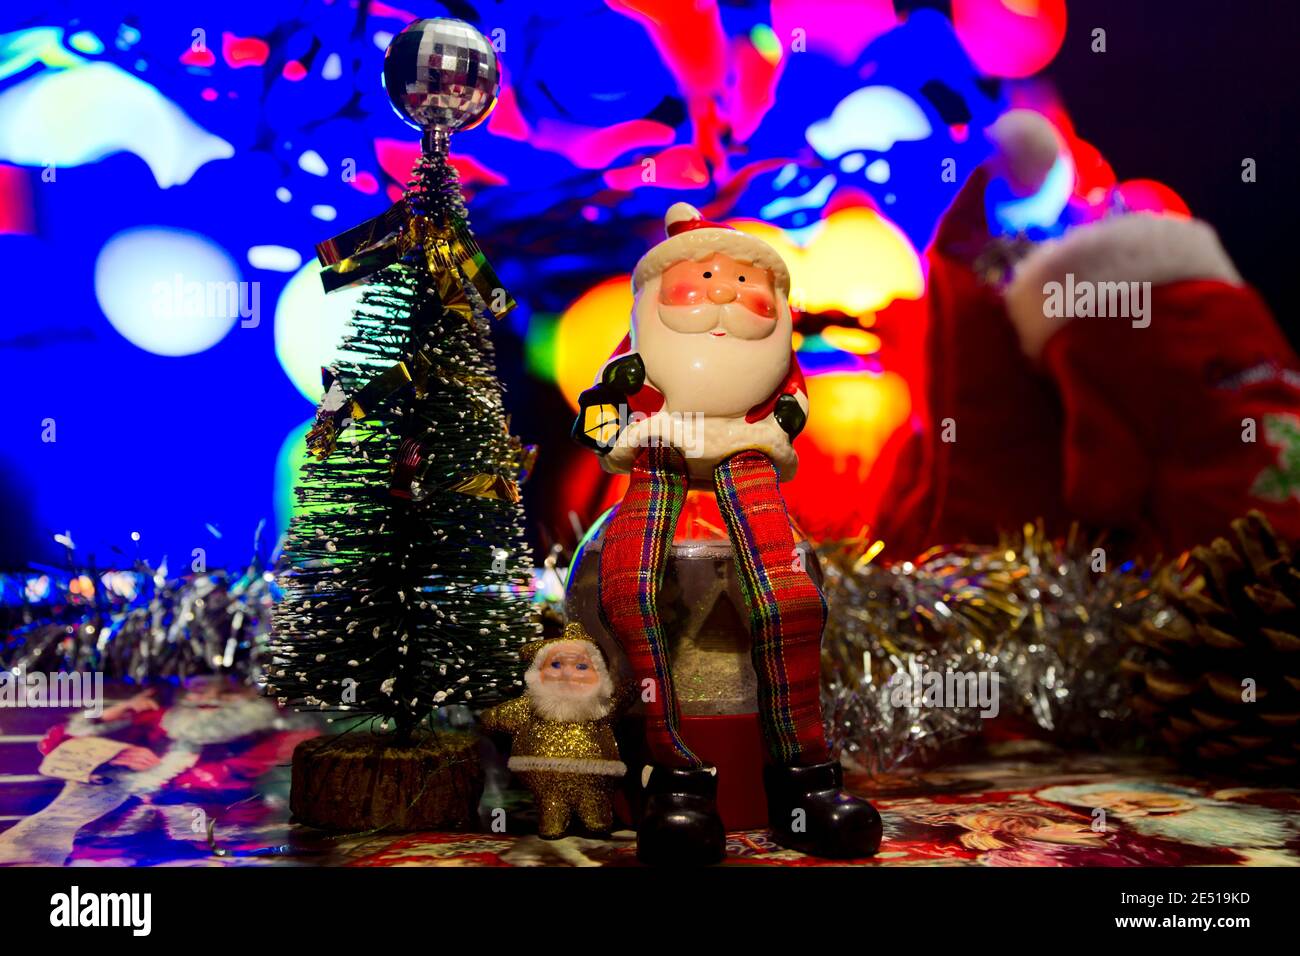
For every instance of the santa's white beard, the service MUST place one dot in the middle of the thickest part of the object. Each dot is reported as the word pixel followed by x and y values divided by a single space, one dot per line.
pixel 559 701
pixel 234 719
pixel 722 376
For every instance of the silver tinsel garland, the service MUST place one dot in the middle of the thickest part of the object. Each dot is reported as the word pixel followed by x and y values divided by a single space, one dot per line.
pixel 1044 616
pixel 1038 620
pixel 142 625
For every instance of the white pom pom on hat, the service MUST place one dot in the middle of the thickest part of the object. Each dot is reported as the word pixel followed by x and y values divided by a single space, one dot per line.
pixel 1027 146
pixel 679 214
pixel 690 235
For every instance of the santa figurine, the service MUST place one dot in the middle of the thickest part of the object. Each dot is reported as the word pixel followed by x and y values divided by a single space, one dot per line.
pixel 705 392
pixel 563 746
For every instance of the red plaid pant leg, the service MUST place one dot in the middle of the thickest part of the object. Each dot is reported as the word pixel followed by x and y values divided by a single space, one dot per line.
pixel 632 562
pixel 786 608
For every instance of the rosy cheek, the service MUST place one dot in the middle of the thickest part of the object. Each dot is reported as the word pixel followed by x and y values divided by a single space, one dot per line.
pixel 760 302
pixel 682 293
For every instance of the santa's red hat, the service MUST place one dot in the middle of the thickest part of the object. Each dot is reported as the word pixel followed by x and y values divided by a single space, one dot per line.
pixel 691 236
pixel 574 636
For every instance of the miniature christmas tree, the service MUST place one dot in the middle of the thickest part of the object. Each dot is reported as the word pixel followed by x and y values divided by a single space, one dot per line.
pixel 408 581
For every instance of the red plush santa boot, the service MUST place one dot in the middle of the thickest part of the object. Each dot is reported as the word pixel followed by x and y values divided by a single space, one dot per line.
pixel 1181 395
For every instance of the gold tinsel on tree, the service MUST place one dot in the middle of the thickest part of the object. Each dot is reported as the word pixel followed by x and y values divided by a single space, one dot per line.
pixel 1220 684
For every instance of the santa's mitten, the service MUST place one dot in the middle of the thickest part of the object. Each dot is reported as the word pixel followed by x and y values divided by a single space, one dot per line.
pixel 790 415
pixel 984 455
pixel 1180 394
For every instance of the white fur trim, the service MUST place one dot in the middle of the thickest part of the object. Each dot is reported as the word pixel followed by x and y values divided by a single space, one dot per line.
pixel 1139 247
pixel 705 447
pixel 601 768
pixel 698 243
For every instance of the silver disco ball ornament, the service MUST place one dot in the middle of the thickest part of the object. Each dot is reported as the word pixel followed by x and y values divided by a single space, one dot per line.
pixel 442 74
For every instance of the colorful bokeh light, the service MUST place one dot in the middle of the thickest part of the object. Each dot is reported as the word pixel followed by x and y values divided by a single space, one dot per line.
pixel 309 325
pixel 819 125
pixel 1010 38
pixel 168 291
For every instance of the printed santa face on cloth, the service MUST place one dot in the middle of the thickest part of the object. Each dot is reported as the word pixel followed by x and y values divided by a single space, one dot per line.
pixel 568 681
pixel 712 321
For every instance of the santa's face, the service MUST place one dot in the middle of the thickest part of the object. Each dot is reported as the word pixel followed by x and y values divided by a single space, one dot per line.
pixel 564 665
pixel 566 683
pixel 714 335
pixel 719 296
pixel 208 692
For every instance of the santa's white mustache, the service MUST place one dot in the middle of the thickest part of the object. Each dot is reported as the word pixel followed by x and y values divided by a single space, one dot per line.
pixel 730 317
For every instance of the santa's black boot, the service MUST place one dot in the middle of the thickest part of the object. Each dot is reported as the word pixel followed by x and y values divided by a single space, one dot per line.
pixel 832 823
pixel 680 825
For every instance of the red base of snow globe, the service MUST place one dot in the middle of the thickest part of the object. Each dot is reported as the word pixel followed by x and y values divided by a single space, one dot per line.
pixel 702 612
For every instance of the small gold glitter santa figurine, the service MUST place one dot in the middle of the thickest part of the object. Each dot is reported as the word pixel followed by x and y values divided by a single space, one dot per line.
pixel 563 740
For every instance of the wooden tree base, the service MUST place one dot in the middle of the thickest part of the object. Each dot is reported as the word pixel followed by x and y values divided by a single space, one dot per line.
pixel 356 782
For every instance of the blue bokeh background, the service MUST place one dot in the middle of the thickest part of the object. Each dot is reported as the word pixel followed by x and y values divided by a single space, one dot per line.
pixel 182 449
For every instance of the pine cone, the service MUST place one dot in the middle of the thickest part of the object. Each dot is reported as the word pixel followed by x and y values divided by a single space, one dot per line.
pixel 1220 682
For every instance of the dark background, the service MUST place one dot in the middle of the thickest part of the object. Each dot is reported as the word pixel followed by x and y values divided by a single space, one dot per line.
pixel 1185 92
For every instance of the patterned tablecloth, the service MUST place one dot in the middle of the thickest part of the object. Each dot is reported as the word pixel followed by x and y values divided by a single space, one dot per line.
pixel 1023 804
